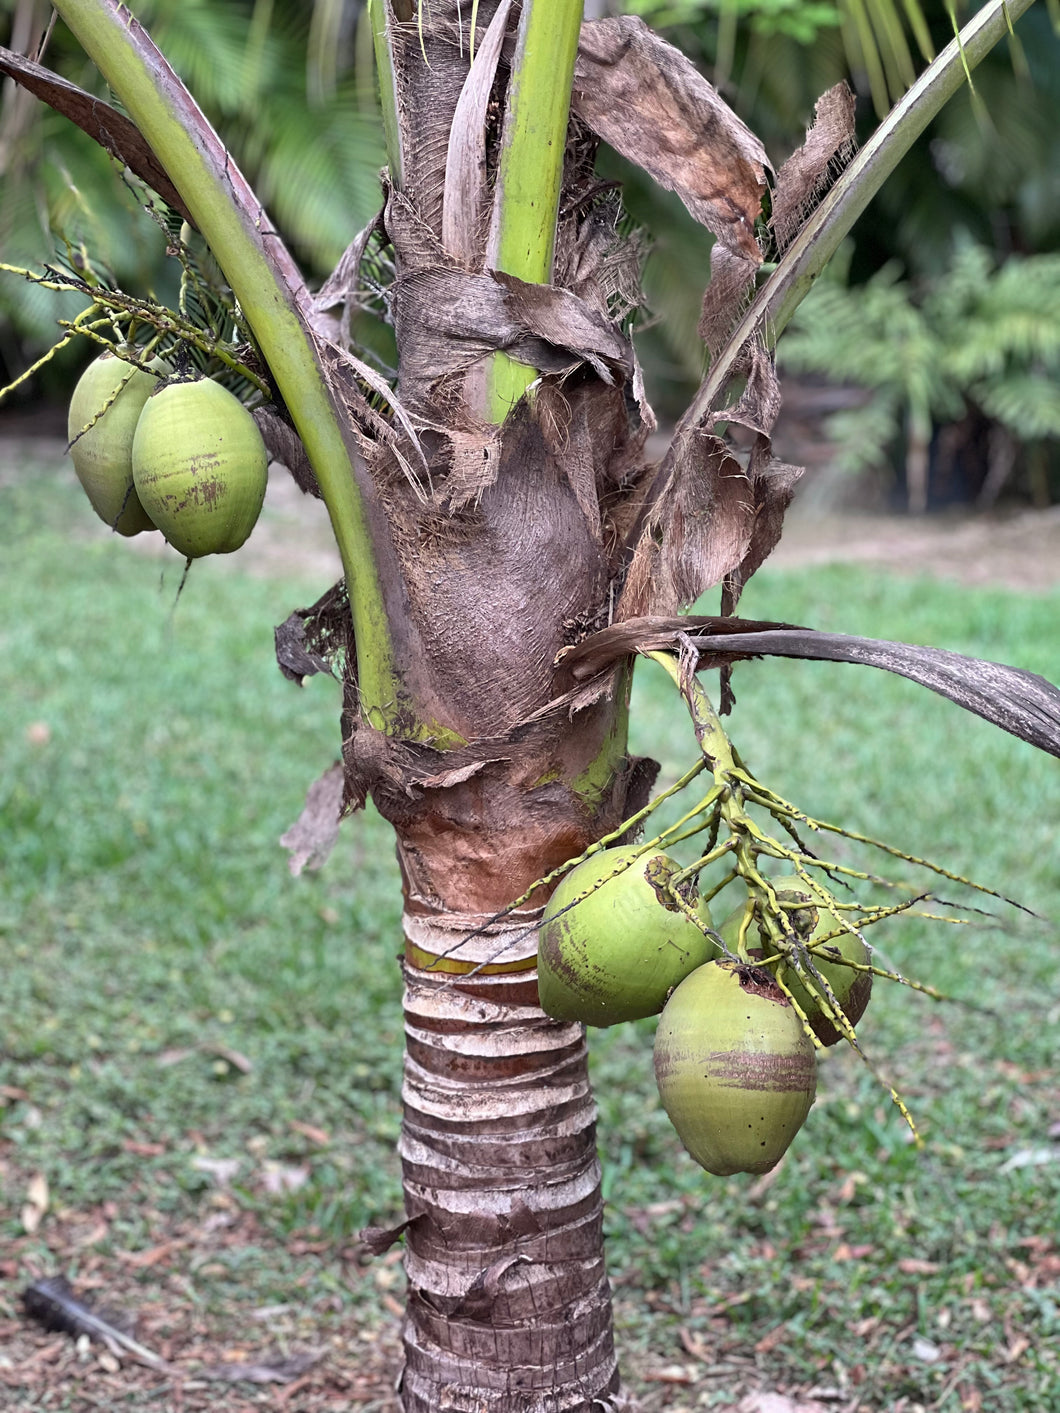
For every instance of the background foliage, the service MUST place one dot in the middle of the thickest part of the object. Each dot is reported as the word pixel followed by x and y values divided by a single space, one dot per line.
pixel 292 89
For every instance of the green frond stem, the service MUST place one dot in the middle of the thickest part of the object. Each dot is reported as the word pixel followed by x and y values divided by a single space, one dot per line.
pixel 685 908
pixel 796 1006
pixel 931 992
pixel 165 322
pixel 526 199
pixel 839 1020
pixel 711 823
pixel 675 833
pixel 252 262
pixel 705 862
pixel 780 808
pixel 722 882
pixel 56 283
pixel 380 19
pixel 826 228
pixel 822 824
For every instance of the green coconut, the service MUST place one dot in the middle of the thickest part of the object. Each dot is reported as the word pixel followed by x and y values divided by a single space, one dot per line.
pixel 613 952
pixel 200 467
pixel 729 930
pixel 850 987
pixel 101 441
pixel 736 1071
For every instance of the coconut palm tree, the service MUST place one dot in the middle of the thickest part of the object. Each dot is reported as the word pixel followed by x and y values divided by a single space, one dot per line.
pixel 508 543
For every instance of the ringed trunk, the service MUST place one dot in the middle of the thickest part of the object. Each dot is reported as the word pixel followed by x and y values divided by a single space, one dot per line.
pixel 508 1304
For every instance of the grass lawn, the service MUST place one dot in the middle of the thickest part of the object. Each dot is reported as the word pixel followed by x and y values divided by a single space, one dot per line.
pixel 200 1055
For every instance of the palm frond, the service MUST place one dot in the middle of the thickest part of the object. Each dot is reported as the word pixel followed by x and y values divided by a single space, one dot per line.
pixel 1027 403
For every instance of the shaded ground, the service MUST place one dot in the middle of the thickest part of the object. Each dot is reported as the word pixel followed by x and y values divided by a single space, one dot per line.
pixel 1017 551
pixel 308 1357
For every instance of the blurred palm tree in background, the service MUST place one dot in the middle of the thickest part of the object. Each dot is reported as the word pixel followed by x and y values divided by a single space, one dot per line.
pixel 987 169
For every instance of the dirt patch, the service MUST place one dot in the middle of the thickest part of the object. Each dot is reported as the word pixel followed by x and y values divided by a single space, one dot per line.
pixel 219 1353
pixel 1014 551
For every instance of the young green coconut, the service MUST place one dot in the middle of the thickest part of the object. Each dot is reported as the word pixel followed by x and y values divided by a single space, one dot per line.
pixel 104 410
pixel 736 1071
pixel 200 467
pixel 608 949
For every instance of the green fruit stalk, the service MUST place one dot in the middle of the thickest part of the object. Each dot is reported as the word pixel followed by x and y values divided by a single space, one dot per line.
pixel 617 953
pixel 200 467
pixel 102 452
pixel 850 987
pixel 736 1071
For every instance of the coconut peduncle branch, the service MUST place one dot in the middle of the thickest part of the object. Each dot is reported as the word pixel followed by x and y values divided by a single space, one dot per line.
pixel 271 294
pixel 526 200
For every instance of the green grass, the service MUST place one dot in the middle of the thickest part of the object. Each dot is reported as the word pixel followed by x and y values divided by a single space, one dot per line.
pixel 147 911
pixel 152 936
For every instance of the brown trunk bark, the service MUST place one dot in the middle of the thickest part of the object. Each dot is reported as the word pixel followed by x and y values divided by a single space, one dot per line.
pixel 508 1308
pixel 506 557
pixel 508 1302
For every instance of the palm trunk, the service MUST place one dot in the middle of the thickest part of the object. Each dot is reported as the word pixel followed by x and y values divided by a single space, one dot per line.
pixel 508 1307
pixel 508 1301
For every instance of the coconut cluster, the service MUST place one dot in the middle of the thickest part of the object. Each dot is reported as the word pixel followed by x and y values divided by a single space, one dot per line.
pixel 184 457
pixel 739 1021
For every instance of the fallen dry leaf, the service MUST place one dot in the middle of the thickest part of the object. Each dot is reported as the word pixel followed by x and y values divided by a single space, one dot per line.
pixel 277 1178
pixel 222 1170
pixel 692 1344
pixel 913 1266
pixel 151 1255
pixel 769 1341
pixel 140 1149
pixel 778 1403
pixel 315 1135
pixel 282 1370
pixel 845 1252
pixel 36 1203
pixel 235 1058
pixel 670 1374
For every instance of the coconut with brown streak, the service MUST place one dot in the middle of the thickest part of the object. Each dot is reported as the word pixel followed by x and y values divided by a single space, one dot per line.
pixel 200 467
pixel 736 1071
